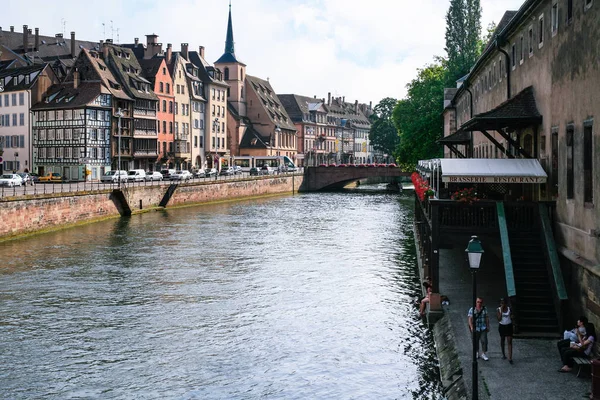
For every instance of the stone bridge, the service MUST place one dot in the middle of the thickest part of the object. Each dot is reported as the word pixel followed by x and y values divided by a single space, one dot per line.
pixel 331 178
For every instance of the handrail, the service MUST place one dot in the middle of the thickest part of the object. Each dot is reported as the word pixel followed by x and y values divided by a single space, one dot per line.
pixel 508 266
pixel 561 290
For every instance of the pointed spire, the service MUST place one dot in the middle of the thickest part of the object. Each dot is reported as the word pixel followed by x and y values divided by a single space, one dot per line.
pixel 229 54
pixel 229 44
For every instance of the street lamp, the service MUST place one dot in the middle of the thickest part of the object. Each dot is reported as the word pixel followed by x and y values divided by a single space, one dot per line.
pixel 277 137
pixel 474 252
pixel 119 114
pixel 15 166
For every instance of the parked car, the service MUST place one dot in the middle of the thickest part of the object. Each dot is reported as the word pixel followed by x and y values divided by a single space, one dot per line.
pixel 52 177
pixel 200 173
pixel 181 175
pixel 227 171
pixel 210 172
pixel 266 170
pixel 136 175
pixel 166 173
pixel 114 176
pixel 26 178
pixel 34 177
pixel 237 170
pixel 154 176
pixel 255 171
pixel 11 180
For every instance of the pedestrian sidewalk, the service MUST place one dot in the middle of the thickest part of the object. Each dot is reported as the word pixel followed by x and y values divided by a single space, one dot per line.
pixel 533 374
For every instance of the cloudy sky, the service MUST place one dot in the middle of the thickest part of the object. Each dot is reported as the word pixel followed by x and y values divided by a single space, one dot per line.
pixel 361 50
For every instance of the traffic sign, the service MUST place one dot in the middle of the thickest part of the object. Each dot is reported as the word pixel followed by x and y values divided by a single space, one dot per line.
pixel 1 160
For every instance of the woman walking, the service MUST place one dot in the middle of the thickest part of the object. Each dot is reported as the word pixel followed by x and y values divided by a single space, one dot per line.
pixel 505 328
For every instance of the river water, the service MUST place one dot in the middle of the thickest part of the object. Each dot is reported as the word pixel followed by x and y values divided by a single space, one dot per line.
pixel 294 297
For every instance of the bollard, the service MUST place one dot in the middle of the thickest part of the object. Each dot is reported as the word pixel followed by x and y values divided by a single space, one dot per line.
pixel 595 380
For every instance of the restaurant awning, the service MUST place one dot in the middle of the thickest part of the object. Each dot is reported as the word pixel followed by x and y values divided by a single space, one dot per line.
pixel 492 170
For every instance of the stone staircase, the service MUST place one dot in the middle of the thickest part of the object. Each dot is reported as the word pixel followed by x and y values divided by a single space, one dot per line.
pixel 535 311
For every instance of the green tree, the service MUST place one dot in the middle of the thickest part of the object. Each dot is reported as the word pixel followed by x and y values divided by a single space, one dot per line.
pixel 463 30
pixel 384 135
pixel 487 36
pixel 418 117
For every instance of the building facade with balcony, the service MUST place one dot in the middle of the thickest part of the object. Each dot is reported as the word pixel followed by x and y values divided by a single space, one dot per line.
pixel 20 88
pixel 128 72
pixel 72 131
pixel 182 151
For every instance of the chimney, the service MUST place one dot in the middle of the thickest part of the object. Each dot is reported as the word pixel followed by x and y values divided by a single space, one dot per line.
pixel 323 100
pixel 329 98
pixel 201 51
pixel 73 46
pixel 153 38
pixel 136 41
pixel 184 50
pixel 12 28
pixel 105 50
pixel 343 99
pixel 169 53
pixel 37 39
pixel 75 78
pixel 25 39
pixel 356 106
pixel 370 105
pixel 314 96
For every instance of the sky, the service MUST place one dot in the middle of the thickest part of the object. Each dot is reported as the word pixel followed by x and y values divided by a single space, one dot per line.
pixel 362 50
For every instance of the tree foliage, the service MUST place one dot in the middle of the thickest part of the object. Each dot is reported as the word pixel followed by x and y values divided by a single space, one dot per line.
pixel 463 30
pixel 418 117
pixel 384 135
pixel 487 36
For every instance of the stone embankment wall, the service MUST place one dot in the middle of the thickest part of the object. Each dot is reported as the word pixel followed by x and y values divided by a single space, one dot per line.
pixel 29 214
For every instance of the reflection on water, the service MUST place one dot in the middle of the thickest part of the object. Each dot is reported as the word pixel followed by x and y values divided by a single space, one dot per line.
pixel 285 298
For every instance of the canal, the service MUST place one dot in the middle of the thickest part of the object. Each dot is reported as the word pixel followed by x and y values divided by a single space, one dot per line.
pixel 295 297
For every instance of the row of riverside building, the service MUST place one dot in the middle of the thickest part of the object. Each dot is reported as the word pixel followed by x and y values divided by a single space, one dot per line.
pixel 78 108
pixel 535 94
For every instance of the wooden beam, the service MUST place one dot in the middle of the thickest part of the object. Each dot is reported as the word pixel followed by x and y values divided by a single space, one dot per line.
pixel 455 151
pixel 514 144
pixel 497 144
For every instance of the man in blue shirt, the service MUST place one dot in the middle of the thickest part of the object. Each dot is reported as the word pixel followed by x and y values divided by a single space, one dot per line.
pixel 482 326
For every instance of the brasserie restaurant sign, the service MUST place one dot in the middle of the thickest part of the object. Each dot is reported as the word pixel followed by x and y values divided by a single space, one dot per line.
pixel 493 179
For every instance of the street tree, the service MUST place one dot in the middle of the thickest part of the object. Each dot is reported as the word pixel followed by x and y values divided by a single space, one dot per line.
pixel 384 135
pixel 418 117
pixel 463 30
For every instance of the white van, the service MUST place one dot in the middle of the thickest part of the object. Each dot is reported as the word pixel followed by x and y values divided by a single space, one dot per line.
pixel 136 175
pixel 114 176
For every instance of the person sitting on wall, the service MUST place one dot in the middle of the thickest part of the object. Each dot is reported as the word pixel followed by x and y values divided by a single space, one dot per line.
pixel 582 348
pixel 425 300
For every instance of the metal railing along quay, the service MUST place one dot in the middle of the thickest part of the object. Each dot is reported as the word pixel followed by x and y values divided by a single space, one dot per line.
pixel 42 188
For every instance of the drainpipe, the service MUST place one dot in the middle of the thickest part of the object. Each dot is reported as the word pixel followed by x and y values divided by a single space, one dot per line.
pixel 470 115
pixel 507 64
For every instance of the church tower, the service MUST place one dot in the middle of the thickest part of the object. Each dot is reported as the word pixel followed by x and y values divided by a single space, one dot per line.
pixel 234 71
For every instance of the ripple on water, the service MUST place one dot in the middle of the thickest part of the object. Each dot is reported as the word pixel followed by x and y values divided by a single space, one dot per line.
pixel 297 297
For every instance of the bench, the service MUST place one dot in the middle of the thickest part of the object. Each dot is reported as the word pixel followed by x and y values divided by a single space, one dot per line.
pixel 584 362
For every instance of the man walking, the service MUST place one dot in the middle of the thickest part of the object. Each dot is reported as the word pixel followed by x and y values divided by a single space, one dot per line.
pixel 482 326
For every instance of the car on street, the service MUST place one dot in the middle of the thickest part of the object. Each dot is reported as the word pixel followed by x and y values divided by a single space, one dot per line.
pixel 11 180
pixel 200 173
pixel 136 175
pixel 210 172
pixel 34 177
pixel 26 178
pixel 52 177
pixel 181 175
pixel 166 173
pixel 255 171
pixel 154 176
pixel 227 171
pixel 114 176
pixel 266 170
pixel 237 170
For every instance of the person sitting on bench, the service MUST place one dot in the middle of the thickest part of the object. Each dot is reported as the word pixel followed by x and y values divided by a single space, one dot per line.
pixel 582 348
